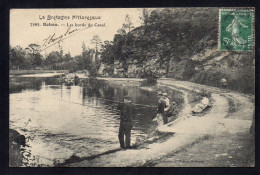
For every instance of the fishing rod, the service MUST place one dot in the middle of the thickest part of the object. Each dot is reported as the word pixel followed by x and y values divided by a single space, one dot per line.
pixel 136 104
pixel 124 102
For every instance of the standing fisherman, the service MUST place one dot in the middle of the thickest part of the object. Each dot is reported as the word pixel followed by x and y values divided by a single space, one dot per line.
pixel 126 123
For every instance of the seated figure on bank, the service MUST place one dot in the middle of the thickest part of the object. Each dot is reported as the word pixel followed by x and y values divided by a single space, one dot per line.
pixel 167 108
pixel 204 103
pixel 160 117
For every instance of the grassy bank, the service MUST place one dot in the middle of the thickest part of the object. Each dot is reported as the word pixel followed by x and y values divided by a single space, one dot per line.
pixel 22 72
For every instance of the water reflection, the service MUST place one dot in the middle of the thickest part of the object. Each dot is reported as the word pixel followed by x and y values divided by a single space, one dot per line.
pixel 60 121
pixel 16 85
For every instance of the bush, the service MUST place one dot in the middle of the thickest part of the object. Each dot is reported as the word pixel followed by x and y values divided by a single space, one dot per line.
pixel 239 79
pixel 149 81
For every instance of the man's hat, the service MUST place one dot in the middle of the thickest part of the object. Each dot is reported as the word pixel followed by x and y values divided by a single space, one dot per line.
pixel 165 94
pixel 160 93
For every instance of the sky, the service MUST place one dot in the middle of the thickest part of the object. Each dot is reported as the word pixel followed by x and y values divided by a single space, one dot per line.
pixel 23 33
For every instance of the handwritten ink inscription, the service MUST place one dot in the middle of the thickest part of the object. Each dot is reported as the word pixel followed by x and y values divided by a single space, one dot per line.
pixel 56 39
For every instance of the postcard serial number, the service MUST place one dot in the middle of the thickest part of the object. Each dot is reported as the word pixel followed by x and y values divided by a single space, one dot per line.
pixel 43 24
pixel 35 24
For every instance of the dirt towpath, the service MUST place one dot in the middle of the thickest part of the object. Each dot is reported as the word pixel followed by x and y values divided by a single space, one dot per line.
pixel 229 143
pixel 219 138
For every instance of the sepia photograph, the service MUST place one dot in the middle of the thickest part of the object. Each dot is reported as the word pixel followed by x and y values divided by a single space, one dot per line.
pixel 132 87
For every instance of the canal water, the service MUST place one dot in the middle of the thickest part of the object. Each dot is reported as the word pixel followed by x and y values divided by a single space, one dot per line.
pixel 59 121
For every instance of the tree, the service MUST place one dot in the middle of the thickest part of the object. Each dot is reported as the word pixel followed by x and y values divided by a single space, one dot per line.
pixel 33 48
pixel 97 42
pixel 154 17
pixel 67 57
pixel 128 25
pixel 17 57
pixel 52 59
pixel 86 59
pixel 121 31
pixel 145 16
pixel 123 42
pixel 34 54
pixel 37 60
pixel 61 52
pixel 108 51
pixel 83 47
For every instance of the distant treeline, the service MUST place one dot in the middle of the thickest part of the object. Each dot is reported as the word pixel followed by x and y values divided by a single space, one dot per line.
pixel 31 58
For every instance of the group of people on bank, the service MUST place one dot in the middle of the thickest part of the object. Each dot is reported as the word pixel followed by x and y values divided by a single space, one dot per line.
pixel 164 110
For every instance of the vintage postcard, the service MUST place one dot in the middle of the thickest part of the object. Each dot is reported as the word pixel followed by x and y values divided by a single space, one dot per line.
pixel 132 87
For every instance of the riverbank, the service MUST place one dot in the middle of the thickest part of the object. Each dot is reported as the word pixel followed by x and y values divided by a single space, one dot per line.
pixel 25 72
pixel 192 134
pixel 16 144
pixel 227 124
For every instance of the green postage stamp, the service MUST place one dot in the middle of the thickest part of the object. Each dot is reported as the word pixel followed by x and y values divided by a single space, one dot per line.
pixel 236 29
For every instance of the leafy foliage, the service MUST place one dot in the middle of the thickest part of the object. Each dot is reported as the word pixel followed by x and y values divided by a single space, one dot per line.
pixel 150 80
pixel 25 58
pixel 166 43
